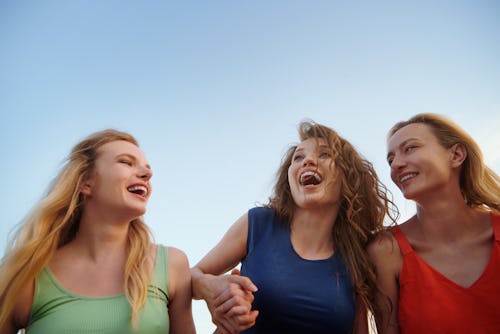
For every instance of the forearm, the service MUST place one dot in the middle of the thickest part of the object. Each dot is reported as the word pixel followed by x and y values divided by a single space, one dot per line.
pixel 201 284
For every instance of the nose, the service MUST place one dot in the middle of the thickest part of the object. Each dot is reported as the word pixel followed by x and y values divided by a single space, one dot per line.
pixel 397 163
pixel 309 160
pixel 145 173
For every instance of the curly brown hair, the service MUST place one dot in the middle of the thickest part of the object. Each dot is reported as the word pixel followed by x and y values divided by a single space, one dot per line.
pixel 365 203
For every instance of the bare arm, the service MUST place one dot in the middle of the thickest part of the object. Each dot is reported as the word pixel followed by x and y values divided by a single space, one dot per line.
pixel 361 320
pixel 386 256
pixel 19 317
pixel 228 297
pixel 179 286
pixel 9 326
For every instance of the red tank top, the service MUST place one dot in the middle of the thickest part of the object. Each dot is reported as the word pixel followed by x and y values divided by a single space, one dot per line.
pixel 430 303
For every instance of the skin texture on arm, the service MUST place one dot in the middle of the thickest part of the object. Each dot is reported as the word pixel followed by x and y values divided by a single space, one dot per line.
pixel 361 320
pixel 9 327
pixel 385 254
pixel 228 297
pixel 179 309
pixel 20 315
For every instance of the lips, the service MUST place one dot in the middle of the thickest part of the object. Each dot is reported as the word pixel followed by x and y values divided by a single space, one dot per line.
pixel 138 189
pixel 310 178
pixel 406 177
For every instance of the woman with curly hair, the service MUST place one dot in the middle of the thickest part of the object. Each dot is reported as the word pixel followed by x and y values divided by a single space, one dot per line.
pixel 84 261
pixel 439 271
pixel 305 250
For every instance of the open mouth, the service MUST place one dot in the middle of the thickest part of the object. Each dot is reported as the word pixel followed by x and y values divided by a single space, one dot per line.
pixel 138 190
pixel 310 178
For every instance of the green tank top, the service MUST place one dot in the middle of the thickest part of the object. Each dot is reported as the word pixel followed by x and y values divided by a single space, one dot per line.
pixel 56 310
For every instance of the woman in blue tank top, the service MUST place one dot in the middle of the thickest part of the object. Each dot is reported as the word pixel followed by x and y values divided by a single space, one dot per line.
pixel 304 268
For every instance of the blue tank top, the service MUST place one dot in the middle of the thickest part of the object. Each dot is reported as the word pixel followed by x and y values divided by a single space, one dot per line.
pixel 295 295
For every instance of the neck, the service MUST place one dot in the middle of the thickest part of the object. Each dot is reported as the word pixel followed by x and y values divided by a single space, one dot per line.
pixel 311 232
pixel 446 218
pixel 101 237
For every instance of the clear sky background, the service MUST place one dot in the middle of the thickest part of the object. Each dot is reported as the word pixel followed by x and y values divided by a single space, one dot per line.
pixel 214 90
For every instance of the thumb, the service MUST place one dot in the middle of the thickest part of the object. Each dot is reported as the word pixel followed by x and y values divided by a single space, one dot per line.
pixel 243 281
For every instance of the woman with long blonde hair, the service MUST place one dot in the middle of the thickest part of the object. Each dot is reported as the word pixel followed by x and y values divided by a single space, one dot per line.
pixel 305 250
pixel 83 260
pixel 439 271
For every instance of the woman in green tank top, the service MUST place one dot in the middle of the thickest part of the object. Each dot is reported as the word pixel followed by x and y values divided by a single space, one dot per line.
pixel 84 261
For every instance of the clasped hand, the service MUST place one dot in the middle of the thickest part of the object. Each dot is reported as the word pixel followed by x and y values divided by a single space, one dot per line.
pixel 231 308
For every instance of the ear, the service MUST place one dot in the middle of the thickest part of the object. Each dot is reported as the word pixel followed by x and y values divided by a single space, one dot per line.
pixel 87 186
pixel 458 154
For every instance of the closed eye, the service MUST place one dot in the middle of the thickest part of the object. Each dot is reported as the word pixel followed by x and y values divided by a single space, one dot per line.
pixel 298 157
pixel 325 155
pixel 410 148
pixel 126 162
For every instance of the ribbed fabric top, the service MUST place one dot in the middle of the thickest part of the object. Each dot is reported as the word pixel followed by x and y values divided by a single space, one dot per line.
pixel 295 295
pixel 431 303
pixel 56 310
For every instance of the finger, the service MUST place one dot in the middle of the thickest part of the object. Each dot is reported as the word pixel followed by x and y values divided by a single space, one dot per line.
pixel 233 302
pixel 244 282
pixel 243 322
pixel 247 321
pixel 226 325
pixel 238 310
pixel 236 271
pixel 232 291
pixel 244 300
pixel 223 327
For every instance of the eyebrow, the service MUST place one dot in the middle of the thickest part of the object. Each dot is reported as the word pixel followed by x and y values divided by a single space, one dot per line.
pixel 320 146
pixel 298 149
pixel 403 143
pixel 130 156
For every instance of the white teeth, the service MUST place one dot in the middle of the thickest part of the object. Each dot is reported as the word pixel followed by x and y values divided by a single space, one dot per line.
pixel 307 175
pixel 141 190
pixel 407 176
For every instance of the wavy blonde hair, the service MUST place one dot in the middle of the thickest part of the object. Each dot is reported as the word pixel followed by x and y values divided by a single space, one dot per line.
pixel 54 222
pixel 479 184
pixel 365 203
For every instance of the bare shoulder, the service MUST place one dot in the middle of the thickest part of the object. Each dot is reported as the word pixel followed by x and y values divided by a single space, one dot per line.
pixel 383 244
pixel 240 226
pixel 384 251
pixel 177 258
pixel 179 274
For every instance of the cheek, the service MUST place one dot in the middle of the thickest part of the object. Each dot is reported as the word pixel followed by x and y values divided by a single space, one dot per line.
pixel 394 179
pixel 290 175
pixel 291 181
pixel 337 186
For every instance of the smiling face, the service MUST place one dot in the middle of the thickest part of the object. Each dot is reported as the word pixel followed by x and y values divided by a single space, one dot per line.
pixel 420 165
pixel 120 180
pixel 313 177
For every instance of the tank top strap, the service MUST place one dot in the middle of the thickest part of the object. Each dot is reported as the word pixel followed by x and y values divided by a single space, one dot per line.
pixel 495 221
pixel 160 276
pixel 403 242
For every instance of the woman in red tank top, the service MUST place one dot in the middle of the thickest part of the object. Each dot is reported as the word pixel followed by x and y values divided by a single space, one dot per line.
pixel 439 271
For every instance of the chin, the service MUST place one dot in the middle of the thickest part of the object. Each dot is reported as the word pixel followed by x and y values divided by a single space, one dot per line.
pixel 411 195
pixel 137 212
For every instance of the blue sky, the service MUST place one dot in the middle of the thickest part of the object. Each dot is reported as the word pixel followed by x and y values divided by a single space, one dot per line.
pixel 214 90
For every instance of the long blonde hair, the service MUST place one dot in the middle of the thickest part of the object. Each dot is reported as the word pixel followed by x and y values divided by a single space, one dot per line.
pixel 54 222
pixel 364 205
pixel 479 184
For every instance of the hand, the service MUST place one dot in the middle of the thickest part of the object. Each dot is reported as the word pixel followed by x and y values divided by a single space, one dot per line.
pixel 231 309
